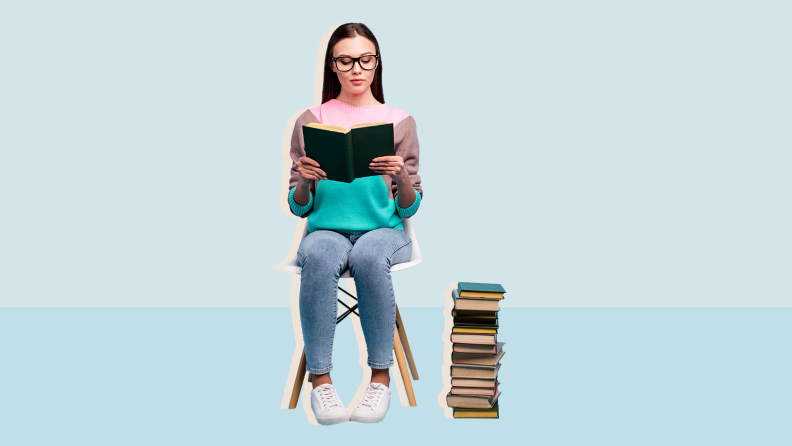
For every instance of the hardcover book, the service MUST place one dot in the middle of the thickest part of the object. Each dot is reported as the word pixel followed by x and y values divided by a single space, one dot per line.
pixel 461 412
pixel 345 154
pixel 472 401
pixel 478 358
pixel 474 303
pixel 483 322
pixel 475 338
pixel 488 391
pixel 472 329
pixel 475 348
pixel 481 290
pixel 474 313
pixel 474 371
pixel 473 382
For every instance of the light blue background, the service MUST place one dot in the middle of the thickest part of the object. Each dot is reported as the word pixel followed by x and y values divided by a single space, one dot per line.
pixel 569 376
pixel 580 153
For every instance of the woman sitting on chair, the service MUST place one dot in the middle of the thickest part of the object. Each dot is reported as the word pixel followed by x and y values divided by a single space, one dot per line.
pixel 356 225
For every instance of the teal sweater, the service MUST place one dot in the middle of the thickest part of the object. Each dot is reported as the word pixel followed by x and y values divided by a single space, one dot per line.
pixel 354 208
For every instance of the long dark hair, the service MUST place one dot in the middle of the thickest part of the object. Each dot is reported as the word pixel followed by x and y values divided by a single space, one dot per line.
pixel 331 87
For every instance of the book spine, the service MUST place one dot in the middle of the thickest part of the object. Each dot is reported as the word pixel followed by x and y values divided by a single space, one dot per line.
pixel 485 339
pixel 350 157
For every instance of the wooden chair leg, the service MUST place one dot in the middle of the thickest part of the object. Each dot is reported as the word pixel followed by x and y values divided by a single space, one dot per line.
pixel 298 382
pixel 403 367
pixel 403 336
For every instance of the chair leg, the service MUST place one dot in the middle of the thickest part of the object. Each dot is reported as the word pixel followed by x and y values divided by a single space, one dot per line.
pixel 298 382
pixel 403 367
pixel 403 336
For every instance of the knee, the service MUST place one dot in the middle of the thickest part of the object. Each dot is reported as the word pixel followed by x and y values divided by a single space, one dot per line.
pixel 321 252
pixel 367 260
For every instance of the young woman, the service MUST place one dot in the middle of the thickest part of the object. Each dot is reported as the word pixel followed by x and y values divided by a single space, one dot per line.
pixel 356 225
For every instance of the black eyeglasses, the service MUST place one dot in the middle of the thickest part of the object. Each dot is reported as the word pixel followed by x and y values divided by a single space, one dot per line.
pixel 367 62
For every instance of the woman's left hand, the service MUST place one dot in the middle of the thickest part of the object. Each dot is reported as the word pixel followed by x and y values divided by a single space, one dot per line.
pixel 392 166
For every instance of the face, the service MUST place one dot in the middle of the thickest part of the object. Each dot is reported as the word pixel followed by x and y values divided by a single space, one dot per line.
pixel 357 46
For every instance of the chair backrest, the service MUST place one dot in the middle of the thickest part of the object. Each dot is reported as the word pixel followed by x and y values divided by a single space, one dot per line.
pixel 294 267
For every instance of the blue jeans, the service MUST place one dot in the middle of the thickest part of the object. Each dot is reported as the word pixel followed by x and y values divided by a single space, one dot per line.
pixel 323 256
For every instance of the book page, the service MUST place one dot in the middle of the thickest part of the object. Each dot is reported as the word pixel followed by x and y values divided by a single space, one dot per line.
pixel 367 124
pixel 332 128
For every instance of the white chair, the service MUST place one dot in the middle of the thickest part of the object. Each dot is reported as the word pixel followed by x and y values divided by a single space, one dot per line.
pixel 399 336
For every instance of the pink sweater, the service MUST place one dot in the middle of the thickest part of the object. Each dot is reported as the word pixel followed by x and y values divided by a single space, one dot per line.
pixel 339 113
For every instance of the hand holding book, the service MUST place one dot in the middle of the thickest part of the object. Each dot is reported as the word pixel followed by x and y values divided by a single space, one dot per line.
pixel 394 167
pixel 309 169
pixel 389 165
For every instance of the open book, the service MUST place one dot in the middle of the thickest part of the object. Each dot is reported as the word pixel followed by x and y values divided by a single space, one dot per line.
pixel 345 154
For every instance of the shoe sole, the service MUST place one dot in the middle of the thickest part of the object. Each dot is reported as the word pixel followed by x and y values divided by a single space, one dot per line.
pixel 367 419
pixel 334 420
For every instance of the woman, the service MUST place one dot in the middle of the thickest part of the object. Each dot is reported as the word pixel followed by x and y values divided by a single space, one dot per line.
pixel 356 225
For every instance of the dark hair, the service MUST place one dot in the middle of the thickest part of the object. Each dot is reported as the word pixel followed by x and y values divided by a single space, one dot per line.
pixel 331 87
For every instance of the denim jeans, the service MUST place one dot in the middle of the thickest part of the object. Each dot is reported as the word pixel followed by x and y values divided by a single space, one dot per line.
pixel 323 256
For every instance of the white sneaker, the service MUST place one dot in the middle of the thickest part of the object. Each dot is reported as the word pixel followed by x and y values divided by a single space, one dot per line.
pixel 374 405
pixel 326 405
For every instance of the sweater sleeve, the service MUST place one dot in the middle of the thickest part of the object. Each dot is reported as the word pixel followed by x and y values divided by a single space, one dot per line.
pixel 406 142
pixel 296 152
pixel 407 212
pixel 296 208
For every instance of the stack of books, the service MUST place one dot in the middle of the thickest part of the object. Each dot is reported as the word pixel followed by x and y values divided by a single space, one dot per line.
pixel 476 351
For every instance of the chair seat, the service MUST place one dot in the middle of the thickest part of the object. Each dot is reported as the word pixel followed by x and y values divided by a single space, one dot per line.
pixel 294 267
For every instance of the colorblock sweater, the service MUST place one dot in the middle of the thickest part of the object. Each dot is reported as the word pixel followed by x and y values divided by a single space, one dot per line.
pixel 366 203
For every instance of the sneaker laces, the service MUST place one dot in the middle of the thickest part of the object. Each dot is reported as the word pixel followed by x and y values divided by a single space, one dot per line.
pixel 373 395
pixel 328 396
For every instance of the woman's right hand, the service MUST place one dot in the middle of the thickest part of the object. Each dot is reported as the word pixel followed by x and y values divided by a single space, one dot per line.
pixel 309 169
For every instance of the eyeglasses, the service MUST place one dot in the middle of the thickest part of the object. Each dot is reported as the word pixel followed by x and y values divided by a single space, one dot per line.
pixel 367 62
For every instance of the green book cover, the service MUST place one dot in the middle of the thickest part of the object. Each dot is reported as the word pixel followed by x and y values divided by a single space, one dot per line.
pixel 345 154
pixel 487 287
pixel 474 313
pixel 477 322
